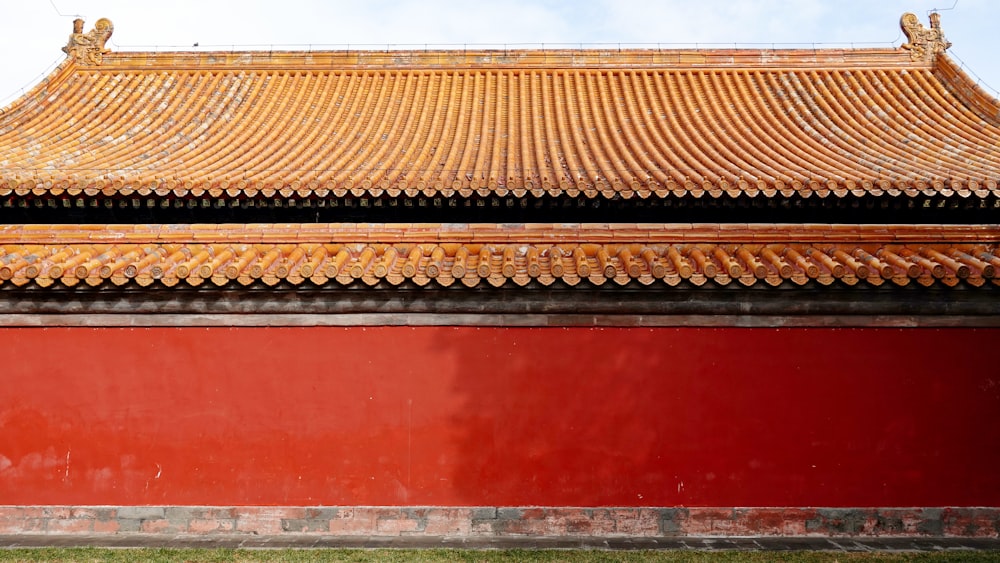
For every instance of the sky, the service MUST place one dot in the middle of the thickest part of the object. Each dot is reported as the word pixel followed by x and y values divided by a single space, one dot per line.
pixel 32 32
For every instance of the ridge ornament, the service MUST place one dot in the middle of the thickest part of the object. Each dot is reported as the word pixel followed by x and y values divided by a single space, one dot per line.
pixel 923 43
pixel 88 48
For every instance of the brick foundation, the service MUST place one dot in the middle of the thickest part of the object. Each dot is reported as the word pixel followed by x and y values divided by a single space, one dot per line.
pixel 502 522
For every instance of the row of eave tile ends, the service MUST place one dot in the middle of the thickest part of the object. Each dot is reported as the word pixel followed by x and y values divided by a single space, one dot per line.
pixel 609 190
pixel 168 264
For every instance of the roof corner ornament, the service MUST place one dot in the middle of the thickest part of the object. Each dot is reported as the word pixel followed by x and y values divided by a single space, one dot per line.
pixel 923 44
pixel 88 48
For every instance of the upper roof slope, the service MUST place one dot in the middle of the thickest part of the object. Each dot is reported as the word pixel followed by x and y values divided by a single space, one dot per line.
pixel 597 123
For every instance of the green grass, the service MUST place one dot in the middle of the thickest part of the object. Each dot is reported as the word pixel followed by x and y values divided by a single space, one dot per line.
pixel 87 555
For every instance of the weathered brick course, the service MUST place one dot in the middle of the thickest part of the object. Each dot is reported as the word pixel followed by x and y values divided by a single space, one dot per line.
pixel 142 512
pixel 504 521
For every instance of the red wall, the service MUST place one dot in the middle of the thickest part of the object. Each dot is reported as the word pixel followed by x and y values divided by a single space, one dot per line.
pixel 499 416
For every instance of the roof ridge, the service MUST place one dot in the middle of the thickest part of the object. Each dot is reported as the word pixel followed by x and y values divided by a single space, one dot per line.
pixel 961 85
pixel 461 59
pixel 922 46
pixel 59 74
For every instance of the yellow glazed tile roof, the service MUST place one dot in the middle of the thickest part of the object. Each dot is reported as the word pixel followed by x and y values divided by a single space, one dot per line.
pixel 621 124
pixel 633 123
pixel 496 255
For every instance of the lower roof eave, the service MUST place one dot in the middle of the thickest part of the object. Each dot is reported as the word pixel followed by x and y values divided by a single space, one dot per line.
pixel 172 258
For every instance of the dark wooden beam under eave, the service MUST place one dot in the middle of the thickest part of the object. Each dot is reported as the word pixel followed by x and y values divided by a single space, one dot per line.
pixel 731 306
